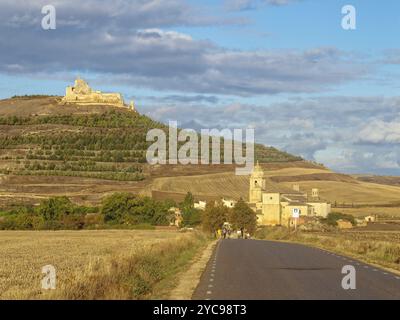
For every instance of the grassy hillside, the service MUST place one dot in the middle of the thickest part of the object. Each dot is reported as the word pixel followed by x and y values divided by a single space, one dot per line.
pixel 45 138
pixel 84 151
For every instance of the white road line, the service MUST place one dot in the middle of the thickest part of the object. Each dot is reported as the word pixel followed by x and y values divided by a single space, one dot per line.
pixel 366 267
pixel 209 292
pixel 210 286
pixel 398 278
pixel 211 280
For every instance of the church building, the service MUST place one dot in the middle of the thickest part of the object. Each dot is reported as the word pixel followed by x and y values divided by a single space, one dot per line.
pixel 274 204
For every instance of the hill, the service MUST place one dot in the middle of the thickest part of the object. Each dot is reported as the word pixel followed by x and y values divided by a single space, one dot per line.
pixel 84 151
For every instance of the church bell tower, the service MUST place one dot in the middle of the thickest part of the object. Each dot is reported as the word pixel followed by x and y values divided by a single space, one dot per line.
pixel 257 184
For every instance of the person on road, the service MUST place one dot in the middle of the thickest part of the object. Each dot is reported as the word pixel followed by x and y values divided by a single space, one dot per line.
pixel 224 231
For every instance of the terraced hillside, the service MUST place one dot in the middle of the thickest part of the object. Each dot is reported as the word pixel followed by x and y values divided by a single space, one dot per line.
pixel 83 151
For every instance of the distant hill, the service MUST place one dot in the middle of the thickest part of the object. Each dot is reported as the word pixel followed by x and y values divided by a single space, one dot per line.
pixel 386 180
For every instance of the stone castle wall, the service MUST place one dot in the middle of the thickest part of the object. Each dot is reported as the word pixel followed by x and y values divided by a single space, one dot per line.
pixel 81 93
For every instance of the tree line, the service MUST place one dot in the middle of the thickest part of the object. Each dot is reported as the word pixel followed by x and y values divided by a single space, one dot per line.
pixel 125 210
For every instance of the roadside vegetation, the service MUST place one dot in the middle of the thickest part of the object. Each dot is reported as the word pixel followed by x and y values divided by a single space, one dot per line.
pixel 149 273
pixel 241 216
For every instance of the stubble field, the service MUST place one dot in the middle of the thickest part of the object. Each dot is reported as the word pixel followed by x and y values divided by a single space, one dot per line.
pixel 105 264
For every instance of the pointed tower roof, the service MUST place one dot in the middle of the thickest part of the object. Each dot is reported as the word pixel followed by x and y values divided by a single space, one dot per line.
pixel 258 171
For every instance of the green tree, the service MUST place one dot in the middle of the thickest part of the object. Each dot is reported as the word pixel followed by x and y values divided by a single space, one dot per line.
pixel 214 216
pixel 53 209
pixel 116 206
pixel 191 216
pixel 126 208
pixel 242 216
pixel 188 202
pixel 333 217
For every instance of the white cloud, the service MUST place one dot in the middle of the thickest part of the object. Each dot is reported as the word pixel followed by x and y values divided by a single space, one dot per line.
pixel 324 129
pixel 379 131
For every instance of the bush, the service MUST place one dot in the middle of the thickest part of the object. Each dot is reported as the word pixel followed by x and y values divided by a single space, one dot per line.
pixel 54 208
pixel 126 208
pixel 94 220
pixel 333 217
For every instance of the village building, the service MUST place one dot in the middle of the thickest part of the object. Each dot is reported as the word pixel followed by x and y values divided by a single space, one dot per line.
pixel 373 218
pixel 229 203
pixel 81 93
pixel 201 205
pixel 274 204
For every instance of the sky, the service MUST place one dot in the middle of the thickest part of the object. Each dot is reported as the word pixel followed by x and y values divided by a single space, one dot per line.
pixel 286 68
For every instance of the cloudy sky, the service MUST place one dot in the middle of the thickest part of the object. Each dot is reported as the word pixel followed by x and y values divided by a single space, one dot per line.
pixel 284 67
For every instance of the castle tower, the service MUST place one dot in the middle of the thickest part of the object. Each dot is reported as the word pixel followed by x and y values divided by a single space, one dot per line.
pixel 132 106
pixel 81 86
pixel 257 184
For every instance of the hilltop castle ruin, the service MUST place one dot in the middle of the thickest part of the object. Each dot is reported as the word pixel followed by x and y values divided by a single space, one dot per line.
pixel 82 93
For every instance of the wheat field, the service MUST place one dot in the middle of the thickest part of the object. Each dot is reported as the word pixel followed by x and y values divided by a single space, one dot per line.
pixel 76 255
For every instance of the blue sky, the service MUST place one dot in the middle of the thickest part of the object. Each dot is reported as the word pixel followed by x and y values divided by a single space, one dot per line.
pixel 284 67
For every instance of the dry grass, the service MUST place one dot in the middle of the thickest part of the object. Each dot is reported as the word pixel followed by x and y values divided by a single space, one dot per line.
pixel 229 185
pixel 382 212
pixel 357 193
pixel 102 264
pixel 218 185
pixel 380 248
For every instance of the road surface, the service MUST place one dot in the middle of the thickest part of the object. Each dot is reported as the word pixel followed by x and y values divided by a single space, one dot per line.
pixel 252 269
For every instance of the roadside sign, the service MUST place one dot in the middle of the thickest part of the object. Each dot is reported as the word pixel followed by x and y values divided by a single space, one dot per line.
pixel 296 213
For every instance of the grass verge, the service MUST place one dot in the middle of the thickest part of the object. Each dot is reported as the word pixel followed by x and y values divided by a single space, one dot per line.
pixel 149 273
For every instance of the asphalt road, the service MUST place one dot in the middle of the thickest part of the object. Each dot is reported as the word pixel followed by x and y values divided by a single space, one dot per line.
pixel 263 270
